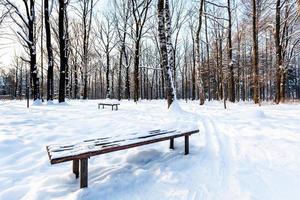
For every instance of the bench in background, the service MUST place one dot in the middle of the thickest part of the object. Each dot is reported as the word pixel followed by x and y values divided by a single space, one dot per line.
pixel 108 104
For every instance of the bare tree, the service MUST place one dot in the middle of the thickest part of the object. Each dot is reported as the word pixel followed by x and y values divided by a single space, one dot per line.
pixel 255 52
pixel 50 83
pixel 85 12
pixel 26 23
pixel 230 62
pixel 106 40
pixel 198 63
pixel 140 10
pixel 63 50
pixel 122 16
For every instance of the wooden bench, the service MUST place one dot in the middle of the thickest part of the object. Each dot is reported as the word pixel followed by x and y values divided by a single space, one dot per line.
pixel 79 153
pixel 108 104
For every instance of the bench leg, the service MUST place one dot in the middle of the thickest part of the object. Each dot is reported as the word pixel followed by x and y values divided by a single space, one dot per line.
pixel 112 107
pixel 186 145
pixel 172 143
pixel 98 106
pixel 76 168
pixel 83 172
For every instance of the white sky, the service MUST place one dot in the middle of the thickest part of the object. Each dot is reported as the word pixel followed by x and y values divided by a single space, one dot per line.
pixel 9 45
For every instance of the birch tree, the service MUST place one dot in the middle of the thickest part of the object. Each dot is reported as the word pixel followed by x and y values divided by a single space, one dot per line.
pixel 163 17
pixel 140 13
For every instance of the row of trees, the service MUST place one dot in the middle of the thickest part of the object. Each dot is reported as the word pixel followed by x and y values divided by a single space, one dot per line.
pixel 153 49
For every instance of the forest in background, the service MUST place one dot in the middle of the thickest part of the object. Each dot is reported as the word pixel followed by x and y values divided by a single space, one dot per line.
pixel 139 49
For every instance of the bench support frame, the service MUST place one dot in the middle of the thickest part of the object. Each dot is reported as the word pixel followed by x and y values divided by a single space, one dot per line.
pixel 112 106
pixel 76 168
pixel 172 143
pixel 186 144
pixel 83 172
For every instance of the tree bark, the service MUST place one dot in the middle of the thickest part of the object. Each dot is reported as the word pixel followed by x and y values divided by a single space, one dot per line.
pixel 198 64
pixel 32 51
pixel 255 53
pixel 164 52
pixel 50 84
pixel 62 48
pixel 230 64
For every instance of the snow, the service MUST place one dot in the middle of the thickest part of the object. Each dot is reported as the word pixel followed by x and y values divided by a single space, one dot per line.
pixel 37 102
pixel 71 149
pixel 109 101
pixel 243 152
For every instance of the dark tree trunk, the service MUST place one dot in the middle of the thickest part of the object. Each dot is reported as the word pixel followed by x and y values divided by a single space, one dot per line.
pixel 207 58
pixel 50 84
pixel 32 51
pixel 108 92
pixel 136 69
pixel 279 60
pixel 120 75
pixel 255 54
pixel 86 21
pixel 62 48
pixel 16 80
pixel 194 73
pixel 198 64
pixel 21 82
pixel 127 84
pixel 230 64
pixel 238 84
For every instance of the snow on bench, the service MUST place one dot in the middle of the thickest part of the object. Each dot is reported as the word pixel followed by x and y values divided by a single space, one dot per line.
pixel 83 150
pixel 108 104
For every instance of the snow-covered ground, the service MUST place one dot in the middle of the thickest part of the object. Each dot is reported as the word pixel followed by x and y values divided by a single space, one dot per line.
pixel 244 152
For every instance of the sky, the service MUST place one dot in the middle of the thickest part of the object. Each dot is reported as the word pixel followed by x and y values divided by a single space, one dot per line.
pixel 9 44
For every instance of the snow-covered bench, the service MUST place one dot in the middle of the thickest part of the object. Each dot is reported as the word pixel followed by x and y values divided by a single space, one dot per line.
pixel 79 153
pixel 108 104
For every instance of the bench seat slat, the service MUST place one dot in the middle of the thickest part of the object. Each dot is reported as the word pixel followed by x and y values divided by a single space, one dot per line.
pixel 59 150
pixel 88 148
pixel 107 140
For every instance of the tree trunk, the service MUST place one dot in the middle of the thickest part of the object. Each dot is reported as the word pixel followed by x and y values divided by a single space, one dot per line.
pixel 230 64
pixel 32 51
pixel 21 81
pixel 136 69
pixel 238 84
pixel 62 48
pixel 50 84
pixel 164 52
pixel 194 72
pixel 198 64
pixel 120 74
pixel 255 54
pixel 108 93
pixel 207 58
